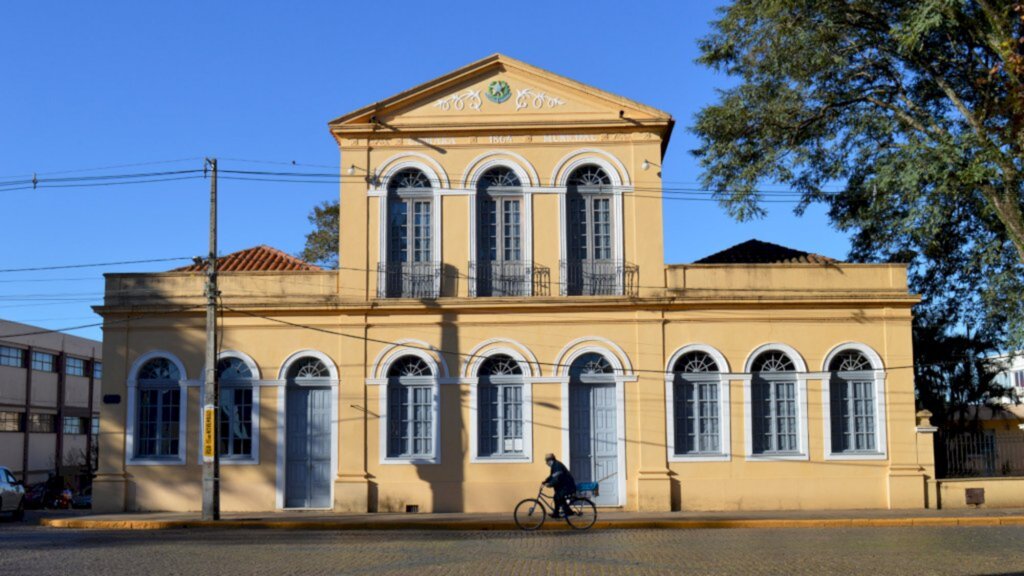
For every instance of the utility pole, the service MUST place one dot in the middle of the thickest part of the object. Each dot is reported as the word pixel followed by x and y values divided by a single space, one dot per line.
pixel 211 393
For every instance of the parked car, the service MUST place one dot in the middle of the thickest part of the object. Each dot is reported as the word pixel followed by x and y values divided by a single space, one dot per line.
pixel 83 499
pixel 12 495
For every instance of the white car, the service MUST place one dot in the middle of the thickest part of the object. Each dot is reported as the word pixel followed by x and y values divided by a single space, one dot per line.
pixel 12 494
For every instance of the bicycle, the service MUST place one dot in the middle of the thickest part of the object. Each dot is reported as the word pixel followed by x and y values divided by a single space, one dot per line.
pixel 531 512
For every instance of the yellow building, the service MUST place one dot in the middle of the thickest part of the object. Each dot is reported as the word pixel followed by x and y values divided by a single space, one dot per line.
pixel 503 294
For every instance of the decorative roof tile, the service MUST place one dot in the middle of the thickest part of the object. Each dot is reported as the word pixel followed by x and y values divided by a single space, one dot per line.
pixel 260 258
pixel 758 252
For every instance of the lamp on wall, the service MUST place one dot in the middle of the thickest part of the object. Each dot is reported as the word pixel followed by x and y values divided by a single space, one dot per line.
pixel 351 170
pixel 646 165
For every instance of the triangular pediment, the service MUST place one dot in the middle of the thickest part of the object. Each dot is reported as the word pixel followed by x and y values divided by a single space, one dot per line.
pixel 499 90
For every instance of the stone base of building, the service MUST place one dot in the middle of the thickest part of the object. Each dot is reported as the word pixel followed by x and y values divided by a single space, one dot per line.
pixel 109 493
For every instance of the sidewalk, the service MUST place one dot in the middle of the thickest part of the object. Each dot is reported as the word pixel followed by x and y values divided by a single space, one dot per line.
pixel 291 520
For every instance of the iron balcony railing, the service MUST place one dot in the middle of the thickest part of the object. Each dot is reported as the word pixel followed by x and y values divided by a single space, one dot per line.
pixel 598 278
pixel 984 454
pixel 510 278
pixel 408 280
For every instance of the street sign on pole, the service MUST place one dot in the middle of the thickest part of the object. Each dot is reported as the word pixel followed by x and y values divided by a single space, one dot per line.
pixel 209 433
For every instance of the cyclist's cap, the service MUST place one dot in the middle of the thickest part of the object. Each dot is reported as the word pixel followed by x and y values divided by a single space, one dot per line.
pixel 549 456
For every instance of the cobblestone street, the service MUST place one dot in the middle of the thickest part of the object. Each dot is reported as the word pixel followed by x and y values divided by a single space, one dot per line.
pixel 875 551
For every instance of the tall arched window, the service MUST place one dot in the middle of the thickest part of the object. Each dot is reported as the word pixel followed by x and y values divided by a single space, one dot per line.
pixel 409 271
pixel 158 415
pixel 500 269
pixel 774 403
pixel 589 267
pixel 411 407
pixel 500 407
pixel 697 405
pixel 852 404
pixel 236 380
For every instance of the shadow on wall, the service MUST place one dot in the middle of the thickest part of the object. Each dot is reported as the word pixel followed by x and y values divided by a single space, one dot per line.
pixel 447 475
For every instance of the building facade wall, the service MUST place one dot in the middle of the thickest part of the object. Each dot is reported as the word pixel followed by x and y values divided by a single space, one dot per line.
pixel 809 309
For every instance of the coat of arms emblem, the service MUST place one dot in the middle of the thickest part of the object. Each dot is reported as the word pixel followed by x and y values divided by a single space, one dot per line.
pixel 498 91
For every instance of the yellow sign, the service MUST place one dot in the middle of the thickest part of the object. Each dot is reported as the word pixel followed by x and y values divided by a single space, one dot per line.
pixel 209 438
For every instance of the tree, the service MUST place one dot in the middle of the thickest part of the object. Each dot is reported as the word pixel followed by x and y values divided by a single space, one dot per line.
pixel 954 374
pixel 322 243
pixel 915 109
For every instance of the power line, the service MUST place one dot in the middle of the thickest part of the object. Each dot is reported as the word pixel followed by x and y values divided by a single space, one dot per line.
pixel 97 324
pixel 481 355
pixel 95 265
pixel 108 167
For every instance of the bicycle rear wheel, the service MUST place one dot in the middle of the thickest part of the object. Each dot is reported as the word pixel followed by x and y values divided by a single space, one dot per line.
pixel 584 513
pixel 530 514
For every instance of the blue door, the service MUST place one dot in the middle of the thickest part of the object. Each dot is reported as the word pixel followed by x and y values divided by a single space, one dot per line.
pixel 308 447
pixel 593 438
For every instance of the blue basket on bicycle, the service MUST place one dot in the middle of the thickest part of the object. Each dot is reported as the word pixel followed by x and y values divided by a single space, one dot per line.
pixel 587 489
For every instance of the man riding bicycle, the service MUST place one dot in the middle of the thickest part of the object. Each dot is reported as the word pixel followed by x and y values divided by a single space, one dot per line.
pixel 563 483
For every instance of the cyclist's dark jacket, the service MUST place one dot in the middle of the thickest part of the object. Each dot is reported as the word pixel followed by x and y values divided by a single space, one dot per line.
pixel 560 479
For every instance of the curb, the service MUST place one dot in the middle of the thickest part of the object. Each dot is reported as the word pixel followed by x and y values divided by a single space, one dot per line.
pixel 86 524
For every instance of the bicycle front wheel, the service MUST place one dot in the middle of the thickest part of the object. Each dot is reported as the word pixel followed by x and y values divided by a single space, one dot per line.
pixel 530 514
pixel 583 515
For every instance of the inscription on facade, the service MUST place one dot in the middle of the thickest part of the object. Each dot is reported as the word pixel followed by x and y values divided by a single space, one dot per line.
pixel 570 138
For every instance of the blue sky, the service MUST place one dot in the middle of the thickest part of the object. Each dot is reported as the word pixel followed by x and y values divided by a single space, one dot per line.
pixel 91 85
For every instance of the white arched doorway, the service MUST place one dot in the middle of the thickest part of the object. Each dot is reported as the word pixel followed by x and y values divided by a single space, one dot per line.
pixel 308 440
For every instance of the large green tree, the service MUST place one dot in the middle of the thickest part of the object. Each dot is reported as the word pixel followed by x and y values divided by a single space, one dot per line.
pixel 322 243
pixel 915 109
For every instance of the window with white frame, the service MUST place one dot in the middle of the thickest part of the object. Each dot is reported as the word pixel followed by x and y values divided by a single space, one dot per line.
pixel 236 408
pixel 589 202
pixel 500 407
pixel 774 404
pixel 411 406
pixel 409 269
pixel 158 411
pixel 500 267
pixel 697 405
pixel 852 404
pixel 590 267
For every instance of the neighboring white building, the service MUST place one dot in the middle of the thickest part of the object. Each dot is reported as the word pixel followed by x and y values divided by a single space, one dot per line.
pixel 1013 375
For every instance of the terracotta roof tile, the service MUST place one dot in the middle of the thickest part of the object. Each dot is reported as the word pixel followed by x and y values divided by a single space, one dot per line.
pixel 758 252
pixel 260 258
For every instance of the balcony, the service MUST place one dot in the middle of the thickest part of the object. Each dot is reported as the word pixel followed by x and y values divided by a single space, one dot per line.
pixel 408 280
pixel 515 278
pixel 598 278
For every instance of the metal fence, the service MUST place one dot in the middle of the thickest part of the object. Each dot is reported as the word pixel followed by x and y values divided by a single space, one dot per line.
pixel 518 278
pixel 598 278
pixel 979 454
pixel 408 280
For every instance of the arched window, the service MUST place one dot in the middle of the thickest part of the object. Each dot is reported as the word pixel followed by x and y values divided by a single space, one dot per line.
pixel 408 272
pixel 697 405
pixel 412 404
pixel 589 267
pixel 158 415
pixel 591 366
pixel 774 404
pixel 307 368
pixel 852 406
pixel 235 377
pixel 500 407
pixel 500 270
